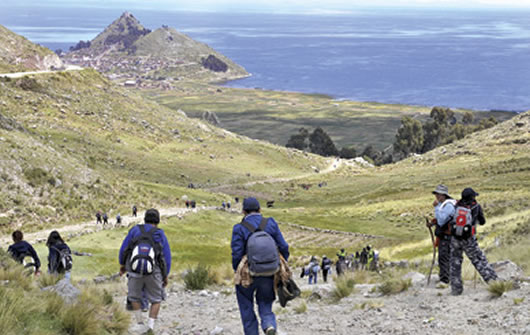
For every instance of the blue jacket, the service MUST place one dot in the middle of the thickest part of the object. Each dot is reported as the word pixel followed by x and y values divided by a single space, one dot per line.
pixel 23 247
pixel 444 211
pixel 158 237
pixel 240 235
pixel 54 256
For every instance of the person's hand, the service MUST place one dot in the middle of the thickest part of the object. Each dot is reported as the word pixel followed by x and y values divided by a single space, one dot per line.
pixel 165 282
pixel 37 273
pixel 435 203
pixel 122 270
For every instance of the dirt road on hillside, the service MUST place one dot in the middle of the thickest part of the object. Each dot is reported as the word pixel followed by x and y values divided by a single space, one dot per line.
pixel 29 73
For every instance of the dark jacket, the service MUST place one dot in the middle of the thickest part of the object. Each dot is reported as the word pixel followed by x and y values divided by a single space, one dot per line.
pixel 23 248
pixel 326 262
pixel 54 256
pixel 240 235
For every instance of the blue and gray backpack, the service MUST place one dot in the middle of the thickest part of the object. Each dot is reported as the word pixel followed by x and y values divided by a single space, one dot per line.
pixel 143 252
pixel 262 251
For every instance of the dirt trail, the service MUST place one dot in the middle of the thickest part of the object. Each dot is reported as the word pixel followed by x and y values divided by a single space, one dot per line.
pixel 126 220
pixel 23 74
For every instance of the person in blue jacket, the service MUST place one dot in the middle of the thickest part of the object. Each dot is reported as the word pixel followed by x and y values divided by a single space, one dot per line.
pixel 262 287
pixel 21 249
pixel 152 285
pixel 59 255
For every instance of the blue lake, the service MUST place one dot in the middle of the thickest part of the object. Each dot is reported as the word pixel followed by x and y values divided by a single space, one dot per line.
pixel 477 60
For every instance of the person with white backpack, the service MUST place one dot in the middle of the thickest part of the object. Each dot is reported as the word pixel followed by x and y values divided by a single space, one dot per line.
pixel 261 241
pixel 59 256
pixel 146 258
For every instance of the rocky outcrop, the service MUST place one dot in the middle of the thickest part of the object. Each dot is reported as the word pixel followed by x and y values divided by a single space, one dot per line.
pixel 65 290
pixel 211 118
pixel 214 64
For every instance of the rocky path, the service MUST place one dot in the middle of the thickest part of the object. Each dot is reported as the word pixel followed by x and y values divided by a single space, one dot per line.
pixel 420 310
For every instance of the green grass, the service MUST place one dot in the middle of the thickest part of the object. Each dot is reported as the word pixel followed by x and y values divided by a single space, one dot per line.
pixel 498 288
pixel 344 286
pixel 394 286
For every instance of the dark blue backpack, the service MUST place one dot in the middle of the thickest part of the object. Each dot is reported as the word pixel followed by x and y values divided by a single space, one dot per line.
pixel 143 252
pixel 262 251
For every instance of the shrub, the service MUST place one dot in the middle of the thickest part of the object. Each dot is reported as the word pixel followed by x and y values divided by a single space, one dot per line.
pixel 301 308
pixel 46 279
pixel 36 176
pixel 498 288
pixel 394 286
pixel 344 286
pixel 198 278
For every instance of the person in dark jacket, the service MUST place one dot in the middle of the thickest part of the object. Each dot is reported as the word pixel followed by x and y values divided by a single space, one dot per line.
pixel 326 267
pixel 58 262
pixel 98 217
pixel 21 249
pixel 262 287
pixel 151 284
pixel 469 245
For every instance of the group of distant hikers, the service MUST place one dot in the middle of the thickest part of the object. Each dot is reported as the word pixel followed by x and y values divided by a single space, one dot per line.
pixel 260 257
pixel 366 259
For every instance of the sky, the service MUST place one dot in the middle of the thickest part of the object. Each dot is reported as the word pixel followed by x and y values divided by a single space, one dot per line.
pixel 272 6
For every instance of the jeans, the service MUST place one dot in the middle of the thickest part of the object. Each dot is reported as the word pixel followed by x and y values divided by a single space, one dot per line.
pixel 311 277
pixel 263 289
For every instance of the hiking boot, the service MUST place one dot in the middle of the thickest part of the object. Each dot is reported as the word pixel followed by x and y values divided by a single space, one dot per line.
pixel 270 331
pixel 456 293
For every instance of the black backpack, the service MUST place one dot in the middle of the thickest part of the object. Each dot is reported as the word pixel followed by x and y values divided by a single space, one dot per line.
pixel 143 252
pixel 65 260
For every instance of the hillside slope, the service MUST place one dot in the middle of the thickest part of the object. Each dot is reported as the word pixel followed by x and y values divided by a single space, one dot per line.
pixel 17 54
pixel 127 50
pixel 73 143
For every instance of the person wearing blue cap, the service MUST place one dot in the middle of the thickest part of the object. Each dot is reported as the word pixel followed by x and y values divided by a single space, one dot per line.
pixel 262 286
pixel 467 214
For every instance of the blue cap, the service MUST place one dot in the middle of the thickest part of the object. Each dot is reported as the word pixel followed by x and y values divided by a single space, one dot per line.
pixel 250 205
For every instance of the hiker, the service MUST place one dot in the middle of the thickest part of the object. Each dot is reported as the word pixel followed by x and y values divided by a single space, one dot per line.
pixel 187 204
pixel 134 211
pixel 341 255
pixel 23 253
pixel 98 217
pixel 463 228
pixel 105 218
pixel 444 209
pixel 252 238
pixel 59 256
pixel 228 205
pixel 312 270
pixel 223 205
pixel 372 258
pixel 236 199
pixel 146 257
pixel 326 267
pixel 364 258
pixel 357 261
pixel 193 204
pixel 118 219
pixel 340 266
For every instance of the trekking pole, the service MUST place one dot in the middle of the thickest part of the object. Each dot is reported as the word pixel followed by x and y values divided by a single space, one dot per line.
pixel 433 251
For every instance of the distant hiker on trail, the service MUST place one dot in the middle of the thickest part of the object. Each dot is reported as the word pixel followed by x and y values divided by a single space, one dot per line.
pixel 257 240
pixel 372 258
pixel 134 211
pixel 312 270
pixel 59 256
pixel 105 218
pixel 341 255
pixel 228 205
pixel 187 204
pixel 98 217
pixel 463 227
pixel 326 267
pixel 444 209
pixel 364 258
pixel 340 266
pixel 223 205
pixel 146 257
pixel 193 204
pixel 237 200
pixel 23 253
pixel 118 219
pixel 357 261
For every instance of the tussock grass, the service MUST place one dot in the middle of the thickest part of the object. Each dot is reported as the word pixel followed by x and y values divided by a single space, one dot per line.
pixel 394 286
pixel 370 304
pixel 344 286
pixel 197 278
pixel 518 301
pixel 222 275
pixel 301 308
pixel 498 288
pixel 45 279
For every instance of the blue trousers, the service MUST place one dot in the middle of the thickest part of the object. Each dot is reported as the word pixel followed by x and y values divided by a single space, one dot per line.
pixel 263 289
pixel 311 277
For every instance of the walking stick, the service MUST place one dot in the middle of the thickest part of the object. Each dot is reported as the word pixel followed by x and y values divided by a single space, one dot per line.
pixel 433 252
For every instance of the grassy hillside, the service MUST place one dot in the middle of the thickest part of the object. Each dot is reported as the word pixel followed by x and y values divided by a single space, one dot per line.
pixel 17 54
pixel 275 116
pixel 73 143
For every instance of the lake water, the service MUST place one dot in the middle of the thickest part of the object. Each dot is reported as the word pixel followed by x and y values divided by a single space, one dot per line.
pixel 478 60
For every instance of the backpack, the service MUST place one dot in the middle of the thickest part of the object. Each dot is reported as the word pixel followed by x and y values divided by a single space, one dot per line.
pixel 143 252
pixel 462 224
pixel 65 260
pixel 445 230
pixel 262 251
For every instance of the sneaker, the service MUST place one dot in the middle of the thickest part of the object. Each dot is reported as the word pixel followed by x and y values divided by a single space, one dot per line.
pixel 270 331
pixel 138 328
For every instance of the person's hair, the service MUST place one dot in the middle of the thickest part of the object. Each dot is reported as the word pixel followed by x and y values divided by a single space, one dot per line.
pixel 54 238
pixel 17 236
